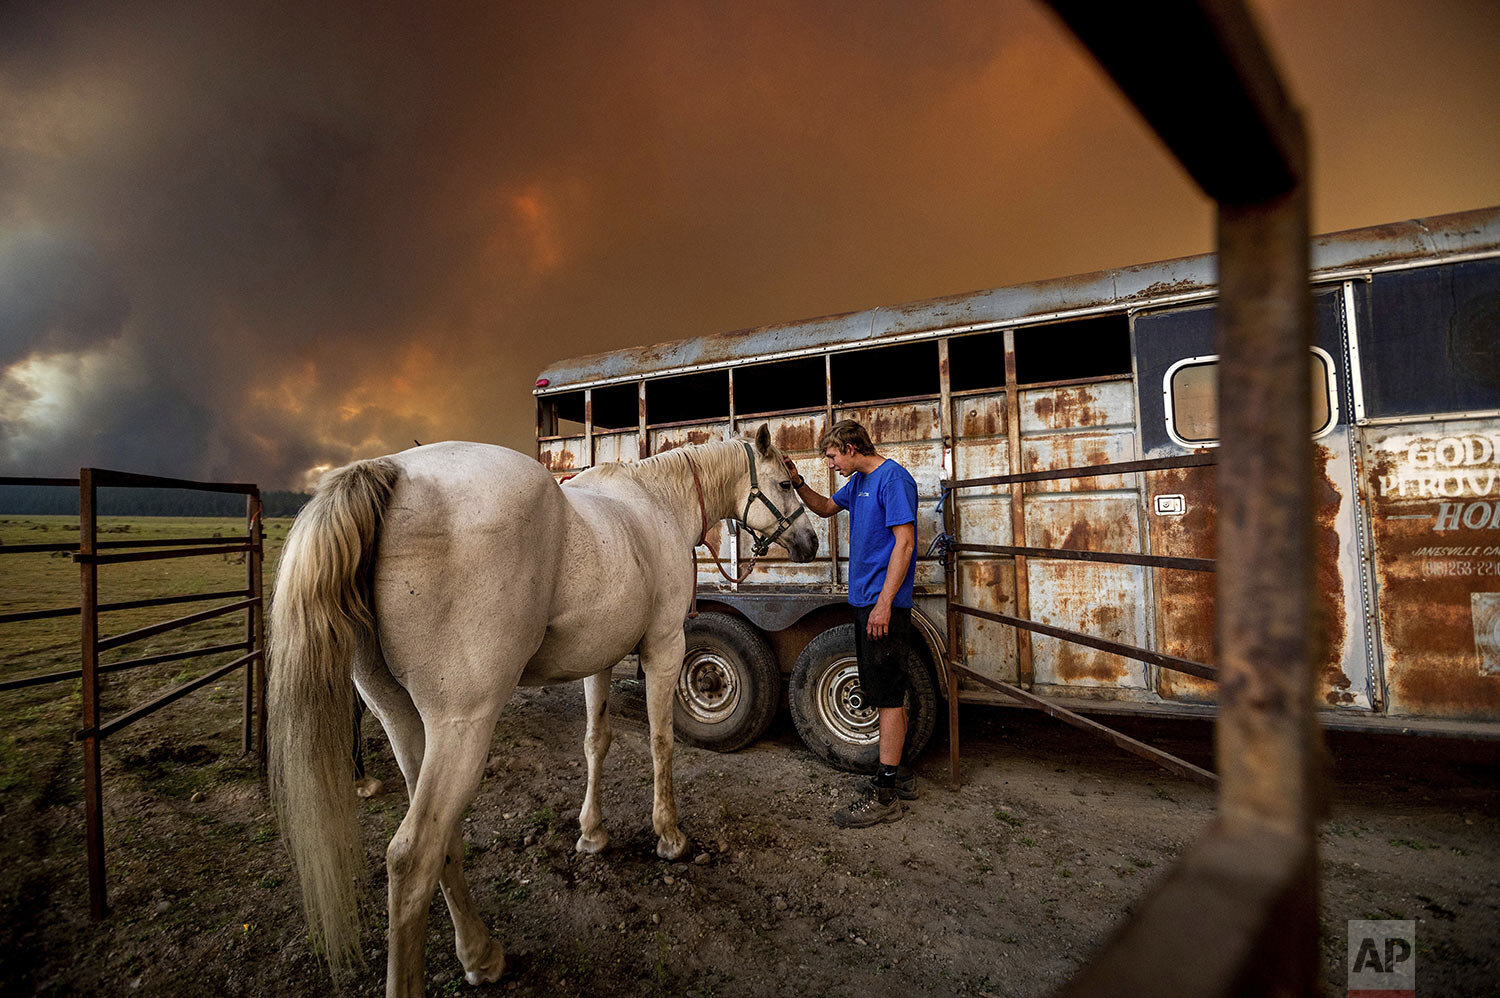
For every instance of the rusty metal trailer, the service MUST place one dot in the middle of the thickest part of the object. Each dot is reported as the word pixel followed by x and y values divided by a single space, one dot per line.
pixel 1114 368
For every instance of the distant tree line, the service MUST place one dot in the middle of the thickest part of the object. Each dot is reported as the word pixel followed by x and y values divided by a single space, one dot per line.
pixel 45 500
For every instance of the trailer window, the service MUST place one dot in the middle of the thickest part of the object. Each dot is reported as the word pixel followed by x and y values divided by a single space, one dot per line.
pixel 1192 399
pixel 688 397
pixel 779 386
pixel 1096 347
pixel 894 372
pixel 560 415
pixel 617 407
pixel 976 361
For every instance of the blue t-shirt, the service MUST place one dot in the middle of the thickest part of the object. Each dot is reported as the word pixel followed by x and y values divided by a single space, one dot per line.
pixel 885 498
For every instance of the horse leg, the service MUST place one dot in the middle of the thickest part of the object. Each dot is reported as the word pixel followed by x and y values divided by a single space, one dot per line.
pixel 595 745
pixel 429 846
pixel 483 958
pixel 661 659
pixel 480 953
pixel 392 707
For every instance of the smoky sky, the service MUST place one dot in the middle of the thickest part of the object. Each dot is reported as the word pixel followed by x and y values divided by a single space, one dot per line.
pixel 240 242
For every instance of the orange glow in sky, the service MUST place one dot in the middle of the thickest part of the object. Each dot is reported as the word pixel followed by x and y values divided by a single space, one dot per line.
pixel 237 243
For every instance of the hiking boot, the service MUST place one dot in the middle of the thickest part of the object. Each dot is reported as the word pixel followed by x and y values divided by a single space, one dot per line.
pixel 870 809
pixel 906 783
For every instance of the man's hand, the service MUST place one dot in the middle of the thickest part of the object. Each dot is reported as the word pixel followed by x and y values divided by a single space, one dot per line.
pixel 811 497
pixel 879 624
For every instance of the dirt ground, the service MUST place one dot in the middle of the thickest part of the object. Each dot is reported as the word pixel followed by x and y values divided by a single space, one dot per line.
pixel 1002 888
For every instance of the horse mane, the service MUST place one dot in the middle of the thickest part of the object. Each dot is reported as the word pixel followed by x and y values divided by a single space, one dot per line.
pixel 713 459
pixel 669 475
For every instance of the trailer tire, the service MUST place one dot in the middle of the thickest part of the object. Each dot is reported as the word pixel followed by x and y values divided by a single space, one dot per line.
pixel 824 696
pixel 729 686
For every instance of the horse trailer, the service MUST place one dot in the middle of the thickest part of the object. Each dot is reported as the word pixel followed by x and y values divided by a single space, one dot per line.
pixel 1048 380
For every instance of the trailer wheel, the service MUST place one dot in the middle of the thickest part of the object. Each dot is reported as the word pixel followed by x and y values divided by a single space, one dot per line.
pixel 832 719
pixel 729 686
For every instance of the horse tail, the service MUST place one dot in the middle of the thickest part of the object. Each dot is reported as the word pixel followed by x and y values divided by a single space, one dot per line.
pixel 321 616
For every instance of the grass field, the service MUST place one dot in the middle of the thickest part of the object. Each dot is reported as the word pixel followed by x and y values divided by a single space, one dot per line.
pixel 39 721
pixel 153 769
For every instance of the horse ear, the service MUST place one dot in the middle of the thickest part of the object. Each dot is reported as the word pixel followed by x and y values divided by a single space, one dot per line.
pixel 763 439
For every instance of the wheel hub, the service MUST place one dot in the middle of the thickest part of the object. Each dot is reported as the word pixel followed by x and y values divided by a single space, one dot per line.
pixel 841 705
pixel 708 687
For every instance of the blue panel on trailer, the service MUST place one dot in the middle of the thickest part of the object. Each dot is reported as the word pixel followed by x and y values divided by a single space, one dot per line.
pixel 1164 338
pixel 1429 340
pixel 1161 340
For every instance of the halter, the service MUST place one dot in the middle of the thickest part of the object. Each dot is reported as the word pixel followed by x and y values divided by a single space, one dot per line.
pixel 763 541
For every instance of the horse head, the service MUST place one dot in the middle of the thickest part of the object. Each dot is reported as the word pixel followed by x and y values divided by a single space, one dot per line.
pixel 771 509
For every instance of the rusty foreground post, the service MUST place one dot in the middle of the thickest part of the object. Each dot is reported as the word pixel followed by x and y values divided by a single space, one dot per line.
pixel 1238 914
pixel 1266 732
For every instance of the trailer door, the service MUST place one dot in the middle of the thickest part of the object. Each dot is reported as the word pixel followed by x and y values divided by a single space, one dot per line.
pixel 1177 383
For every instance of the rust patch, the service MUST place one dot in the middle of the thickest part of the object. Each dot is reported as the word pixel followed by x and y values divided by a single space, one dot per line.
pixel 558 460
pixel 1073 450
pixel 989 647
pixel 1070 664
pixel 1157 288
pixel 981 417
pixel 901 423
pixel 1080 537
pixel 1433 495
pixel 1077 664
pixel 1188 599
pixel 1069 408
pixel 680 436
pixel 894 425
pixel 792 436
pixel 1185 600
pixel 1330 628
pixel 993 579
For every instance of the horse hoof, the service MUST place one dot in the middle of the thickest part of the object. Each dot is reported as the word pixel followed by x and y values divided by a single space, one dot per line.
pixel 593 844
pixel 368 786
pixel 490 968
pixel 672 851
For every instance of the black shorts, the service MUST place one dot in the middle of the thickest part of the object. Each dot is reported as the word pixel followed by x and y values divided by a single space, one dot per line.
pixel 882 661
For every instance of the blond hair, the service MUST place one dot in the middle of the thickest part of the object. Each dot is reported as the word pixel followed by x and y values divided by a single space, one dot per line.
pixel 847 433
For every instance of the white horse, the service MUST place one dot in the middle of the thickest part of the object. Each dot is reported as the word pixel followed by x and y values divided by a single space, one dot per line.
pixel 442 577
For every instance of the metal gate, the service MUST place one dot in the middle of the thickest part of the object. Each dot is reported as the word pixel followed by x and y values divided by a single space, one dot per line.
pixel 90 553
pixel 952 547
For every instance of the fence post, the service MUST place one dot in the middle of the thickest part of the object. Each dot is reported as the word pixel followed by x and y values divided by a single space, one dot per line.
pixel 247 716
pixel 255 628
pixel 93 793
pixel 1266 732
pixel 955 633
pixel 1016 459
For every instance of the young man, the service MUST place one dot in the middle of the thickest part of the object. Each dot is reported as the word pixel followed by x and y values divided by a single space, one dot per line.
pixel 881 497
